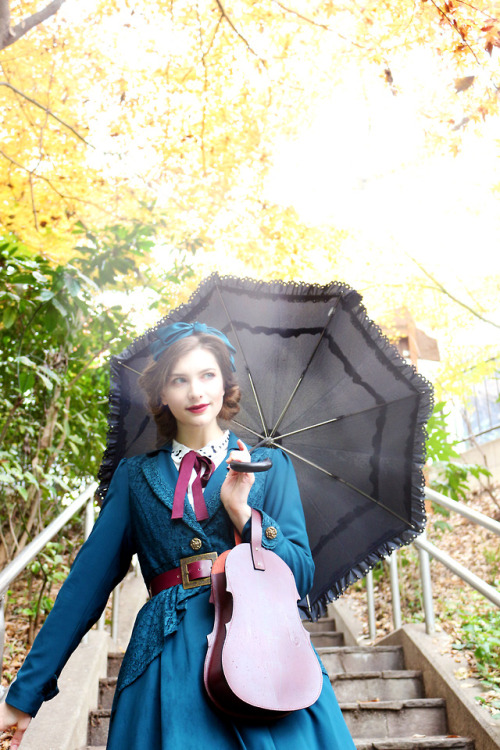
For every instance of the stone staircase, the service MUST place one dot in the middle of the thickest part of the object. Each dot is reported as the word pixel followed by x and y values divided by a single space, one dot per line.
pixel 382 702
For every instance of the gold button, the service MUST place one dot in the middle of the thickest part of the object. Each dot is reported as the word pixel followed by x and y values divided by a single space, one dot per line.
pixel 195 543
pixel 271 532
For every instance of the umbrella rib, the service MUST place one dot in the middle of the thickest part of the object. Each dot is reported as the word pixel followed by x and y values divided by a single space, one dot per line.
pixel 301 378
pixel 252 384
pixel 130 368
pixel 344 416
pixel 284 435
pixel 351 486
pixel 249 429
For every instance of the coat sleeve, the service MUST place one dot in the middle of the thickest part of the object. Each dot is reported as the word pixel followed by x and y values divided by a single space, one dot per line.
pixel 100 565
pixel 283 523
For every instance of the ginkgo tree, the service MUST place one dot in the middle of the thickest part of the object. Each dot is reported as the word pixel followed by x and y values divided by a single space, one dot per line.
pixel 112 109
pixel 120 111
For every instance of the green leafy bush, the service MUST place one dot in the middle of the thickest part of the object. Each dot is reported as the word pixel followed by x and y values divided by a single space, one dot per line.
pixel 448 476
pixel 59 324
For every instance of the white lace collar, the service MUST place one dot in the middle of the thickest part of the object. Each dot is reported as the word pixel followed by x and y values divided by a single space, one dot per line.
pixel 216 450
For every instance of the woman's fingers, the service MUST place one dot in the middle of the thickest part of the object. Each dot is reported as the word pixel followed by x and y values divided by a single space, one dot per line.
pixel 16 740
pixel 11 717
pixel 22 726
pixel 240 455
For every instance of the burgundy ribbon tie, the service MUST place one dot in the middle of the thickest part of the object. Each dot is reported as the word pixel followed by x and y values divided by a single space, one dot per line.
pixel 204 468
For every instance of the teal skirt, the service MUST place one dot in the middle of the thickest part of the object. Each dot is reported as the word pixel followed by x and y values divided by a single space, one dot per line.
pixel 166 708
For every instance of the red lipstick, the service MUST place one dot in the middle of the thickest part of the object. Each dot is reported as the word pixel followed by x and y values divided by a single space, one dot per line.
pixel 198 409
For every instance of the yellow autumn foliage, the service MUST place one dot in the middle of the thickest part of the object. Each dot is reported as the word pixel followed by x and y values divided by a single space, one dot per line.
pixel 118 112
pixel 175 108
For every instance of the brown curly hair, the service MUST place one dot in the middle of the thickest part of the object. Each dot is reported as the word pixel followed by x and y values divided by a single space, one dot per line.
pixel 156 374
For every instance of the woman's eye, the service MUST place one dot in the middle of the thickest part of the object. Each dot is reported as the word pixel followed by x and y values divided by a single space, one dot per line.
pixel 178 381
pixel 209 375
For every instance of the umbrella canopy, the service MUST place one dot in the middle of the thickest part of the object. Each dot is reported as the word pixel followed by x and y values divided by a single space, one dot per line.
pixel 320 382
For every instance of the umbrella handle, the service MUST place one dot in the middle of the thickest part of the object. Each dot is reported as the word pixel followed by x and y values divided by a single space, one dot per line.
pixel 249 466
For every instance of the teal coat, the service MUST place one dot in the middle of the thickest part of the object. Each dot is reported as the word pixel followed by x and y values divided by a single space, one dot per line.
pixel 136 518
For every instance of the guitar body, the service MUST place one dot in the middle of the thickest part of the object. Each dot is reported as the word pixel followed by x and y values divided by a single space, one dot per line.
pixel 260 662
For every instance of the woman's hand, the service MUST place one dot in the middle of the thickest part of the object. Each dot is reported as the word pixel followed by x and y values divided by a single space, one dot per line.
pixel 13 717
pixel 234 491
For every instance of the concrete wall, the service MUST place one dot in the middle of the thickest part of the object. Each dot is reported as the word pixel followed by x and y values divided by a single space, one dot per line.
pixel 488 455
pixel 465 716
pixel 62 723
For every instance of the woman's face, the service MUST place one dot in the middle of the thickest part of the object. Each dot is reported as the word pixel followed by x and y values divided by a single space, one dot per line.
pixel 194 390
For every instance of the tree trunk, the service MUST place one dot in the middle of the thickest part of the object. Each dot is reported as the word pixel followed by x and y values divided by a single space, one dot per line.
pixel 9 35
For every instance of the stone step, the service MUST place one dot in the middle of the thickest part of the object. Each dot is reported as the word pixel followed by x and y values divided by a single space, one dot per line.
pixel 385 686
pixel 99 726
pixel 107 687
pixel 114 664
pixel 365 686
pixel 420 716
pixel 417 743
pixel 353 659
pixel 326 623
pixel 383 719
pixel 321 638
pixel 398 743
pixel 351 685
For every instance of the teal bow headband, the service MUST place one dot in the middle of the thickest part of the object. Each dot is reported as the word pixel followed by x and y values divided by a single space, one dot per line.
pixel 170 334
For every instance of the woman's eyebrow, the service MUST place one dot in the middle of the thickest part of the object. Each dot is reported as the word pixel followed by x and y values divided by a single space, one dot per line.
pixel 183 374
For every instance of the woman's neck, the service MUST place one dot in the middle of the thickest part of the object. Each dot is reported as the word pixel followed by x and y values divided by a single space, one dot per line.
pixel 198 437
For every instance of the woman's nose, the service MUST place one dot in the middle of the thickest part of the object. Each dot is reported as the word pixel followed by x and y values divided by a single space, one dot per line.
pixel 195 389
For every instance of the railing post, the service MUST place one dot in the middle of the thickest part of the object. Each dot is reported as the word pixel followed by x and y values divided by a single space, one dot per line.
pixel 370 598
pixel 89 523
pixel 396 600
pixel 116 609
pixel 89 518
pixel 2 633
pixel 425 578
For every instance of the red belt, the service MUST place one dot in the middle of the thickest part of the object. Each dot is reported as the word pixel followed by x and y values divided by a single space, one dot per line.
pixel 193 571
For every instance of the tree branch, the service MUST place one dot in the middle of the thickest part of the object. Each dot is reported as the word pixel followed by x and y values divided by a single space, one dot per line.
pixel 316 23
pixel 11 35
pixel 4 19
pixel 87 365
pixel 21 103
pixel 64 196
pixel 47 113
pixel 478 10
pixel 17 403
pixel 299 15
pixel 13 534
pixel 33 205
pixel 223 11
pixel 205 93
pixel 454 26
pixel 5 556
pixel 214 35
pixel 47 110
pixel 441 288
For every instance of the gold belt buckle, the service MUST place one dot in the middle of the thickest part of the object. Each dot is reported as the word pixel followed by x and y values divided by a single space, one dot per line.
pixel 185 561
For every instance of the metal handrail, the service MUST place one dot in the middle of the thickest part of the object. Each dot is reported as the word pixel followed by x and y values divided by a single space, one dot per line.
pixel 473 515
pixel 426 550
pixel 23 559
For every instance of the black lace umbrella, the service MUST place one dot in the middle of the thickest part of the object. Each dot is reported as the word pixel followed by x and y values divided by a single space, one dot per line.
pixel 322 383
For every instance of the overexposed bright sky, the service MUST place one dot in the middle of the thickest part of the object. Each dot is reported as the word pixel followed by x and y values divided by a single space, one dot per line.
pixel 363 165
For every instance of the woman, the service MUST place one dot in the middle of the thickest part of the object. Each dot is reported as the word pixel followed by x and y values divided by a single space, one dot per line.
pixel 179 500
